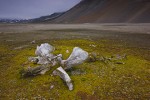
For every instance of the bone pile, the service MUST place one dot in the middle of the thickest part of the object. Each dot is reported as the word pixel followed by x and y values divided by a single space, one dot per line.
pixel 46 60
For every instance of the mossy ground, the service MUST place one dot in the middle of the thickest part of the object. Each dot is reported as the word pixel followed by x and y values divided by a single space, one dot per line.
pixel 97 80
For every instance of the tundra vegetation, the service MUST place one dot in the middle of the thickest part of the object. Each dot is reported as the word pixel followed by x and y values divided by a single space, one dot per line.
pixel 118 68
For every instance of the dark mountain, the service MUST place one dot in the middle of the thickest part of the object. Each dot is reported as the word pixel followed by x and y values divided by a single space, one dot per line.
pixel 107 11
pixel 34 20
pixel 46 18
pixel 3 20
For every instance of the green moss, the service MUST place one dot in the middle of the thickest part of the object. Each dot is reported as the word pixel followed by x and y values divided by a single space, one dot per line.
pixel 100 80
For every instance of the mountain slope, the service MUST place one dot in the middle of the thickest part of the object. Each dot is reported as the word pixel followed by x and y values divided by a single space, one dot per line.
pixel 107 11
pixel 46 18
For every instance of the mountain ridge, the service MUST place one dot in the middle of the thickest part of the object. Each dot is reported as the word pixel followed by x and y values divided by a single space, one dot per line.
pixel 107 11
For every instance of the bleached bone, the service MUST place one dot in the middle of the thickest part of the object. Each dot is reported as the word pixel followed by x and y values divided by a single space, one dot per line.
pixel 62 73
pixel 44 50
pixel 44 53
pixel 78 56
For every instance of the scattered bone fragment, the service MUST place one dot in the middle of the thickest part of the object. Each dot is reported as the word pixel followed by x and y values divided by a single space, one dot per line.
pixel 62 73
pixel 121 57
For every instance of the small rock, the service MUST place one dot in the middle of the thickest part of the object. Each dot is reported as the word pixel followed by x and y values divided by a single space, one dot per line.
pixel 92 45
pixel 120 63
pixel 92 57
pixel 52 86
pixel 33 42
pixel 67 51
pixel 51 75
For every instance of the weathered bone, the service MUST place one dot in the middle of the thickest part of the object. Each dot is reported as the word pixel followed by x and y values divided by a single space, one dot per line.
pixel 78 56
pixel 32 71
pixel 44 50
pixel 35 70
pixel 62 73
pixel 44 53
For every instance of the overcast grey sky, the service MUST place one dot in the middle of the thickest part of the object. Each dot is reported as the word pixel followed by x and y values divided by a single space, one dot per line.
pixel 27 9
